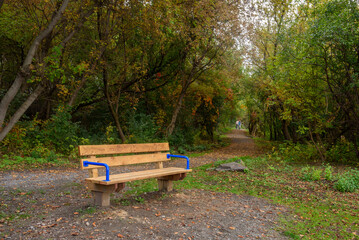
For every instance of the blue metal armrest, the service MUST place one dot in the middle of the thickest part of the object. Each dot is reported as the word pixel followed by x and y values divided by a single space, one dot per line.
pixel 179 156
pixel 87 163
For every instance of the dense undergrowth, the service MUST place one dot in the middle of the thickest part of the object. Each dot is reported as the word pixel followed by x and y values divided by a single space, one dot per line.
pixel 37 143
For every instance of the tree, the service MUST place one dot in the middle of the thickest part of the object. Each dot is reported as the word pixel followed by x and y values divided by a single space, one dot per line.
pixel 207 30
pixel 22 75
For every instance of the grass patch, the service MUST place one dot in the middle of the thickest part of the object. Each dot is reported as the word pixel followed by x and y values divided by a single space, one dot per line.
pixel 21 163
pixel 318 210
pixel 87 211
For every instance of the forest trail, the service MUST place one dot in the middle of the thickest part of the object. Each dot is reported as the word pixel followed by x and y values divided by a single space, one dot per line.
pixel 241 145
pixel 54 204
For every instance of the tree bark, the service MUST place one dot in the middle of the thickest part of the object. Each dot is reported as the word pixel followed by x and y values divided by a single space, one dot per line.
pixel 172 125
pixel 1 3
pixel 286 130
pixel 24 69
pixel 114 113
pixel 17 115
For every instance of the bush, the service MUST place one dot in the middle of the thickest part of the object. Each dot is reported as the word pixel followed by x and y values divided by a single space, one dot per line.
pixel 348 182
pixel 311 174
pixel 61 132
pixel 42 139
pixel 343 152
pixel 328 173
pixel 142 129
pixel 296 152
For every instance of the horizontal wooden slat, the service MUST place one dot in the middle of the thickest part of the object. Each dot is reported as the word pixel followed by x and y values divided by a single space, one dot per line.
pixel 132 176
pixel 126 160
pixel 91 150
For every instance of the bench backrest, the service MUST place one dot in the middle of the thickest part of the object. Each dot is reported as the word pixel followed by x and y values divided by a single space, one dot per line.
pixel 124 154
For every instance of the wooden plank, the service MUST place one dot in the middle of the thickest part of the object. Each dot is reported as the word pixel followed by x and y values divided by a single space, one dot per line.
pixel 89 150
pixel 93 172
pixel 132 176
pixel 126 160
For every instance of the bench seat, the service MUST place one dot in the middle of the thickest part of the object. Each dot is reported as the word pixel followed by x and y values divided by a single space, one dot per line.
pixel 132 176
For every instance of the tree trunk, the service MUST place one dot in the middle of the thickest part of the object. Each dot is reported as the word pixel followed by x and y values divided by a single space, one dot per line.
pixel 322 156
pixel 24 69
pixel 17 115
pixel 1 3
pixel 9 96
pixel 286 130
pixel 112 110
pixel 172 125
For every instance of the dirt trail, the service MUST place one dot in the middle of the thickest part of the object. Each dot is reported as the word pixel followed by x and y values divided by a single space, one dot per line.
pixel 241 145
pixel 53 204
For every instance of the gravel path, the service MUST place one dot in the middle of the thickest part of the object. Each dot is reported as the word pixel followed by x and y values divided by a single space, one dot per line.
pixel 54 204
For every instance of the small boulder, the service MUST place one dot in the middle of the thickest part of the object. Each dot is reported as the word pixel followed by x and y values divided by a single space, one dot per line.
pixel 232 166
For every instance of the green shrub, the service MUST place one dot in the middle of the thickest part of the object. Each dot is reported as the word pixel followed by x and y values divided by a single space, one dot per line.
pixel 343 152
pixel 311 174
pixel 296 152
pixel 328 173
pixel 61 132
pixel 142 129
pixel 348 182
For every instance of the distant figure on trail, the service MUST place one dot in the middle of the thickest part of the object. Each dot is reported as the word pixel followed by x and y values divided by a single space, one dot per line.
pixel 238 124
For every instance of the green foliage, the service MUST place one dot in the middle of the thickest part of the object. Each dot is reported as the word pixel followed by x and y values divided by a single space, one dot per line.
pixel 18 162
pixel 342 152
pixel 61 132
pixel 181 139
pixel 348 181
pixel 328 173
pixel 44 139
pixel 142 129
pixel 87 210
pixel 111 135
pixel 295 152
pixel 311 174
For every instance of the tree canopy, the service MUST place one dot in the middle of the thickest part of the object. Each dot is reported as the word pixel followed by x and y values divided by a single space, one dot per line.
pixel 95 71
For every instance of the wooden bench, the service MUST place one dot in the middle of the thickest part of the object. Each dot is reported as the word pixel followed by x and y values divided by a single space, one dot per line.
pixel 106 156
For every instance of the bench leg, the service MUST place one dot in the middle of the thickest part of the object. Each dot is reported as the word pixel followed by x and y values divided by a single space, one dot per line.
pixel 166 185
pixel 102 193
pixel 102 198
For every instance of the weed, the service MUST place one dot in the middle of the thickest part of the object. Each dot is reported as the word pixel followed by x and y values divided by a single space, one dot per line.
pixel 311 174
pixel 328 173
pixel 348 182
pixel 316 174
pixel 140 200
pixel 87 210
pixel 164 196
pixel 125 202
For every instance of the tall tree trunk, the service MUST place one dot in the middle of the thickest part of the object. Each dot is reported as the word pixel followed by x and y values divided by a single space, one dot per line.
pixel 24 69
pixel 114 113
pixel 178 107
pixel 17 115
